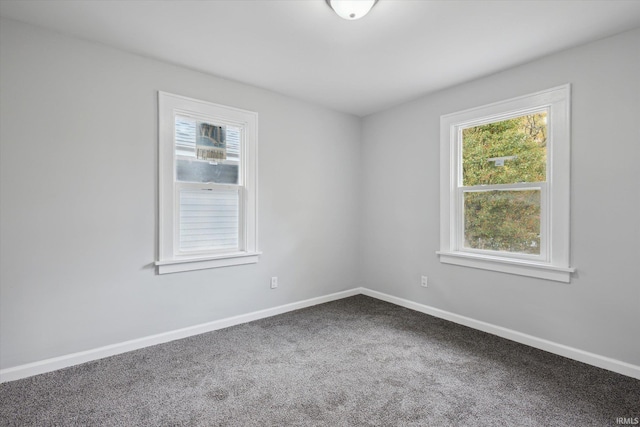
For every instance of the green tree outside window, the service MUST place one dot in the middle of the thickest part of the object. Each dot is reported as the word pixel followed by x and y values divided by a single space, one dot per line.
pixel 506 219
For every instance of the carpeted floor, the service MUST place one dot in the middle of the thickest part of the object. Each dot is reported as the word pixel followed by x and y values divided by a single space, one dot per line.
pixel 352 362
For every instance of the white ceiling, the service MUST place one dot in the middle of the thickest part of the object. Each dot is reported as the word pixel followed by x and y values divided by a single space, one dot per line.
pixel 403 49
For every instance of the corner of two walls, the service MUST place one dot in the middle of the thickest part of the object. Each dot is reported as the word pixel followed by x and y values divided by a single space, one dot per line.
pixel 356 206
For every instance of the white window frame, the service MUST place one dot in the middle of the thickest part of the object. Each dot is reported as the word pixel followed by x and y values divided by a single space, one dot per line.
pixel 170 258
pixel 553 261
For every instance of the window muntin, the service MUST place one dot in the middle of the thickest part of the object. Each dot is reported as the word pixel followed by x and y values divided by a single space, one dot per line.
pixel 519 179
pixel 208 185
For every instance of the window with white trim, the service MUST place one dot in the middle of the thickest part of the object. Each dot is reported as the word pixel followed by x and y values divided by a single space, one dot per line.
pixel 504 195
pixel 207 183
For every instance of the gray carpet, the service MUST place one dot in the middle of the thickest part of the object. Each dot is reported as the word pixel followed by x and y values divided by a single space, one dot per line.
pixel 352 362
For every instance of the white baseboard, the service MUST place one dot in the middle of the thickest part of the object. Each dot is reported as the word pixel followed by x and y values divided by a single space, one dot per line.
pixel 539 343
pixel 48 365
pixel 55 363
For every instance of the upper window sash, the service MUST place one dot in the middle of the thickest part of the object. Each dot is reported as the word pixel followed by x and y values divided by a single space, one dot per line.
pixel 459 128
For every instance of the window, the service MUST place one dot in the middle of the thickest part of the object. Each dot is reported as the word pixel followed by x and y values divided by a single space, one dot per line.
pixel 504 195
pixel 207 182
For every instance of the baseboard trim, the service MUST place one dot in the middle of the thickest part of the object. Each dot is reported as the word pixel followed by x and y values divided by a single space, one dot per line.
pixel 593 359
pixel 55 363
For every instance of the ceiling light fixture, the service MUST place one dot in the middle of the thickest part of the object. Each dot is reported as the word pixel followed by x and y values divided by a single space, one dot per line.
pixel 351 9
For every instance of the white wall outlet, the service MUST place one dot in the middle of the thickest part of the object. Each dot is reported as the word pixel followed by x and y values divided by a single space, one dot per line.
pixel 274 282
pixel 424 281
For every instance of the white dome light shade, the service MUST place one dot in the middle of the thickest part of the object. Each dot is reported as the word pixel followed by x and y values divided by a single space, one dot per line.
pixel 351 9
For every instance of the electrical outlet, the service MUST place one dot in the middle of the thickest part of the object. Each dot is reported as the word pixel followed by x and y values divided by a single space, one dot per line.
pixel 424 282
pixel 274 282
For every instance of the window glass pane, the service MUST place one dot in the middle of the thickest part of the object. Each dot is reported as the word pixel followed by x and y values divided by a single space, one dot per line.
pixel 206 152
pixel 505 152
pixel 208 219
pixel 507 220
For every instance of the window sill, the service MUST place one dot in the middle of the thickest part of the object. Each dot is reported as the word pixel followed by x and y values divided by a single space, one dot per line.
pixel 511 266
pixel 188 264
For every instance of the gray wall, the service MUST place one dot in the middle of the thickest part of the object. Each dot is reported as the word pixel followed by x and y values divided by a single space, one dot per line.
pixel 79 199
pixel 598 310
